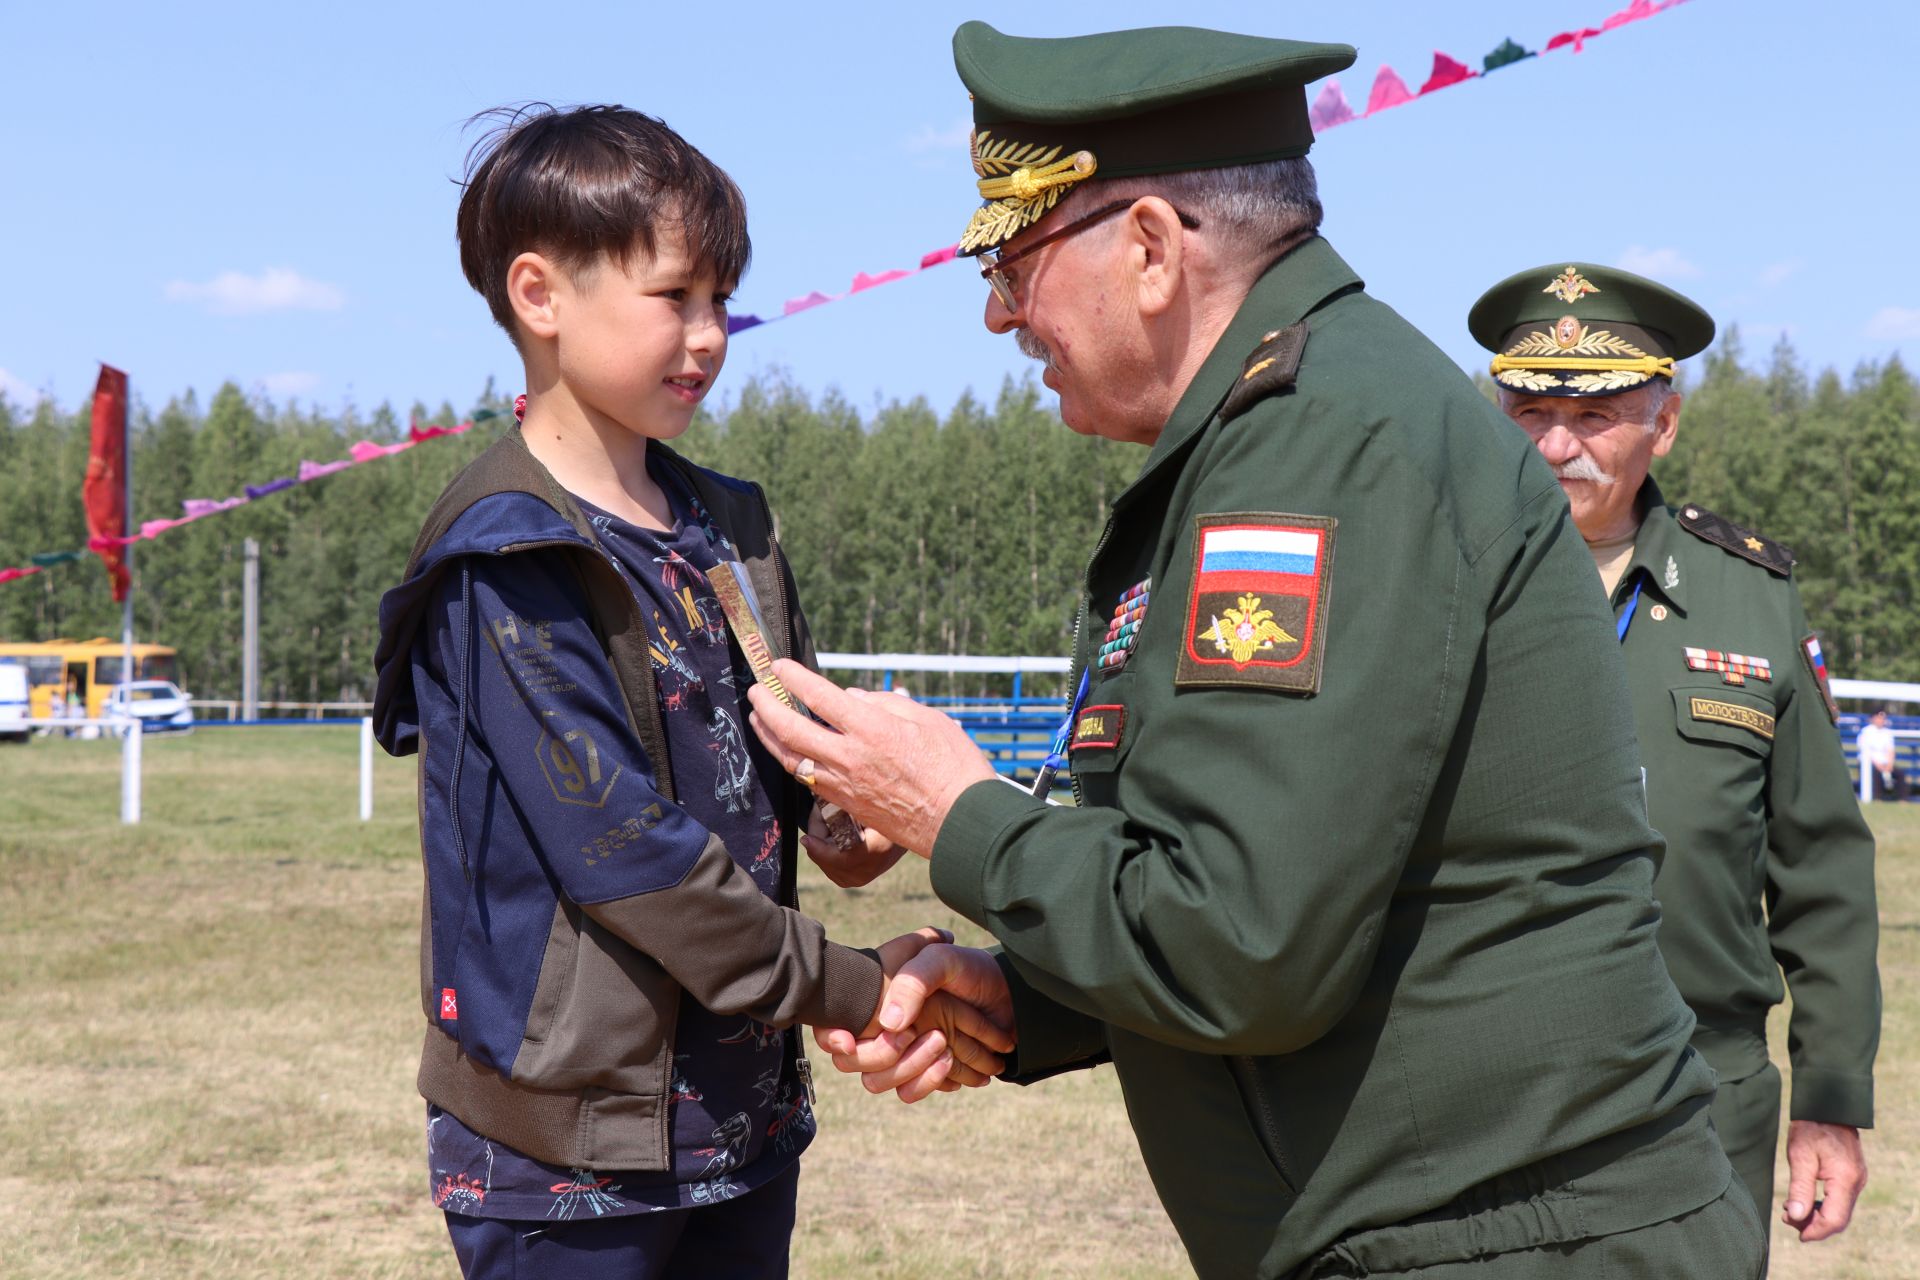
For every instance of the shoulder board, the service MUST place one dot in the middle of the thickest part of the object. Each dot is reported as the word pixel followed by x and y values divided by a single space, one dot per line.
pixel 1269 369
pixel 1747 544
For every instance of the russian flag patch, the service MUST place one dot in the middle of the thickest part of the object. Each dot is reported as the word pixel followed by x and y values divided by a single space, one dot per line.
pixel 1817 666
pixel 1256 606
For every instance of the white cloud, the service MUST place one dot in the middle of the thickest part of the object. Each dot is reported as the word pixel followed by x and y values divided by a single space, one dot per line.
pixel 1658 264
pixel 951 139
pixel 1777 274
pixel 1897 324
pixel 18 392
pixel 234 293
pixel 293 382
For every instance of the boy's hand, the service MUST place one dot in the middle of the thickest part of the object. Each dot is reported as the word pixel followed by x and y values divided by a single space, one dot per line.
pixel 852 869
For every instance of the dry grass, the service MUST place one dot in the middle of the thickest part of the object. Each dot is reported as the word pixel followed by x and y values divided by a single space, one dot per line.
pixel 211 1024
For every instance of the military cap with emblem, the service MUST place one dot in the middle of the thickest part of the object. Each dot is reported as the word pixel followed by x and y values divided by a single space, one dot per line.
pixel 1048 113
pixel 1577 329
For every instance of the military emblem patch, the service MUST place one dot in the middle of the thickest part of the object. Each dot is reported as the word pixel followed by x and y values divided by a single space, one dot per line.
pixel 1098 727
pixel 1256 608
pixel 1817 664
pixel 1732 713
pixel 1570 286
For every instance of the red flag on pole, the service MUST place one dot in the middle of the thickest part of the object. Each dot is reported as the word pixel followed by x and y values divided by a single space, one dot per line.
pixel 106 484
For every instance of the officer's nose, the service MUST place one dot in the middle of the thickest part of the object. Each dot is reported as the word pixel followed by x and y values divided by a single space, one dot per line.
pixel 997 318
pixel 1558 445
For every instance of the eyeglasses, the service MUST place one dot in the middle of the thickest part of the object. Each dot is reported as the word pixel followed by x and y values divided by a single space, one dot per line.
pixel 994 266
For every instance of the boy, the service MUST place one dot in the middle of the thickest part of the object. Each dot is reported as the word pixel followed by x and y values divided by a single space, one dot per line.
pixel 610 958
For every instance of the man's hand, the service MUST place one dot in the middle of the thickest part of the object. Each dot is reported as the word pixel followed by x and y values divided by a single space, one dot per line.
pixel 895 765
pixel 910 1054
pixel 965 1041
pixel 1826 1153
pixel 849 869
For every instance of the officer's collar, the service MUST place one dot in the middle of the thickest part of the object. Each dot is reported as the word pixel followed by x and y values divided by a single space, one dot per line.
pixel 1285 294
pixel 1656 551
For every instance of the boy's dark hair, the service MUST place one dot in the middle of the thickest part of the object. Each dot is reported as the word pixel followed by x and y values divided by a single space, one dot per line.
pixel 588 182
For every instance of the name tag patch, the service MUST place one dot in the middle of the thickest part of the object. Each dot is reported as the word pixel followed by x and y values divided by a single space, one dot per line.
pixel 1098 727
pixel 1256 608
pixel 1733 713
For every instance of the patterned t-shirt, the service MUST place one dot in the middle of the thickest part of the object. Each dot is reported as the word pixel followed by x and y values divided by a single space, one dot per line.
pixel 739 1111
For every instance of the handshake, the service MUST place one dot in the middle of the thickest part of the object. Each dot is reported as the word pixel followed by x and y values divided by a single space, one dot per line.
pixel 944 1020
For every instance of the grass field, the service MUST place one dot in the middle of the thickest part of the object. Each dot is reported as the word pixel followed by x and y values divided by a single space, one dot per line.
pixel 210 1027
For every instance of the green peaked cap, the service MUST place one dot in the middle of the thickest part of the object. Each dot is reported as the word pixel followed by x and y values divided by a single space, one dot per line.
pixel 1580 329
pixel 1048 113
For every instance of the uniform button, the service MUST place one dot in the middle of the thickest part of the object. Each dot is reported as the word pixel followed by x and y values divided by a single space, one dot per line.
pixel 1692 513
pixel 1269 335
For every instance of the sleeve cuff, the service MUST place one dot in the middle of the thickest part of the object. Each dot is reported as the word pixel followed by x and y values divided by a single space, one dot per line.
pixel 967 839
pixel 1053 1038
pixel 849 989
pixel 1832 1097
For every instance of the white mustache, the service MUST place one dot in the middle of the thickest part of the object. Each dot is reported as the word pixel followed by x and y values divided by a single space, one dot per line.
pixel 1583 468
pixel 1031 347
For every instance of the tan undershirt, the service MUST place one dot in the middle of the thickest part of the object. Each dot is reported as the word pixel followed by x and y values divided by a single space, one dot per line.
pixel 1611 558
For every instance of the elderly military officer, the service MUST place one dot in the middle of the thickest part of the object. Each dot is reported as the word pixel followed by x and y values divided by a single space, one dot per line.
pixel 1768 862
pixel 1358 1034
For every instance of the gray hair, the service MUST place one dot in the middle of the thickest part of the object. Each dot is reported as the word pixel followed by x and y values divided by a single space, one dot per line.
pixel 1253 208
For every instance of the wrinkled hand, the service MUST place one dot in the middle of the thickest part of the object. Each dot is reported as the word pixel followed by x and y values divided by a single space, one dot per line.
pixel 965 1040
pixel 896 765
pixel 849 869
pixel 910 1054
pixel 1825 1153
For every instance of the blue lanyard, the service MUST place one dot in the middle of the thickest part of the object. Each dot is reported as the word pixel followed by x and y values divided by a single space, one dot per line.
pixel 1626 619
pixel 1043 783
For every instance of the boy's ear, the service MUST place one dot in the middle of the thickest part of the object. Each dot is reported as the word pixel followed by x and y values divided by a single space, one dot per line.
pixel 532 282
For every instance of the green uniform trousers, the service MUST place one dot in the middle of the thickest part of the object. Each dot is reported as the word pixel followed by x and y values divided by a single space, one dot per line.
pixel 1530 1223
pixel 1747 1115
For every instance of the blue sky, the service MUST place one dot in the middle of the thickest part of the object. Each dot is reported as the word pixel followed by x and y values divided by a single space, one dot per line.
pixel 263 193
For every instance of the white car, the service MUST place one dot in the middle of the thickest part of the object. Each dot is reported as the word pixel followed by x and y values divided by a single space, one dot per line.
pixel 158 705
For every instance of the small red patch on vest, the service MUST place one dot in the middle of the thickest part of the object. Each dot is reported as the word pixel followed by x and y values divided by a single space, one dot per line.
pixel 449 1005
pixel 1099 727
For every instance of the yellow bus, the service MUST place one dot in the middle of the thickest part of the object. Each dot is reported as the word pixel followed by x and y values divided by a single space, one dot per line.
pixel 77 675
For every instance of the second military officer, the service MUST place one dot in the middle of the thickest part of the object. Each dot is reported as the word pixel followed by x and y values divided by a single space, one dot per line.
pixel 1769 866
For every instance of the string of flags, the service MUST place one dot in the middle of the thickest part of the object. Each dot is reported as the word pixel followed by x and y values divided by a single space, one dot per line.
pixel 362 452
pixel 1329 110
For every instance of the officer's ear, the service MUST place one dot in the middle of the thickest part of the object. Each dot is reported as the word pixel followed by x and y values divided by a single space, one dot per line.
pixel 1156 251
pixel 1666 424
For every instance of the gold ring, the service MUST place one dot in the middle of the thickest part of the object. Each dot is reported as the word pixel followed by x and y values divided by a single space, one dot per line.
pixel 804 772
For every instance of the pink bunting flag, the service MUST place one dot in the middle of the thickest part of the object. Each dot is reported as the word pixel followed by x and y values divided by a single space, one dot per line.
pixel 8 575
pixel 863 281
pixel 1578 39
pixel 154 528
pixel 417 433
pixel 314 470
pixel 197 507
pixel 796 305
pixel 939 256
pixel 105 543
pixel 1632 13
pixel 367 450
pixel 1330 108
pixel 1389 90
pixel 1445 72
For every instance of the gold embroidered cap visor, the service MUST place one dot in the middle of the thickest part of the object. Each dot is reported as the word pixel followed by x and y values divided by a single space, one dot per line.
pixel 1578 329
pixel 1049 113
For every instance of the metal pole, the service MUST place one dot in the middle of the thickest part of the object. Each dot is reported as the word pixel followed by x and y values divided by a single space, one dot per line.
pixel 366 768
pixel 250 630
pixel 130 774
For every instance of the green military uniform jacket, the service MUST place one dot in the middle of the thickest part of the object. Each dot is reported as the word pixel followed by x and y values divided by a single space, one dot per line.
pixel 1370 924
pixel 1769 864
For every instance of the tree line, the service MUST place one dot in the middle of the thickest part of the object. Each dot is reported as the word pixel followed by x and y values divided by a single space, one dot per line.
pixel 909 530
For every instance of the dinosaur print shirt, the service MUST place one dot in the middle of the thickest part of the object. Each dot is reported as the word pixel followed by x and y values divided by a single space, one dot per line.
pixel 740 1112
